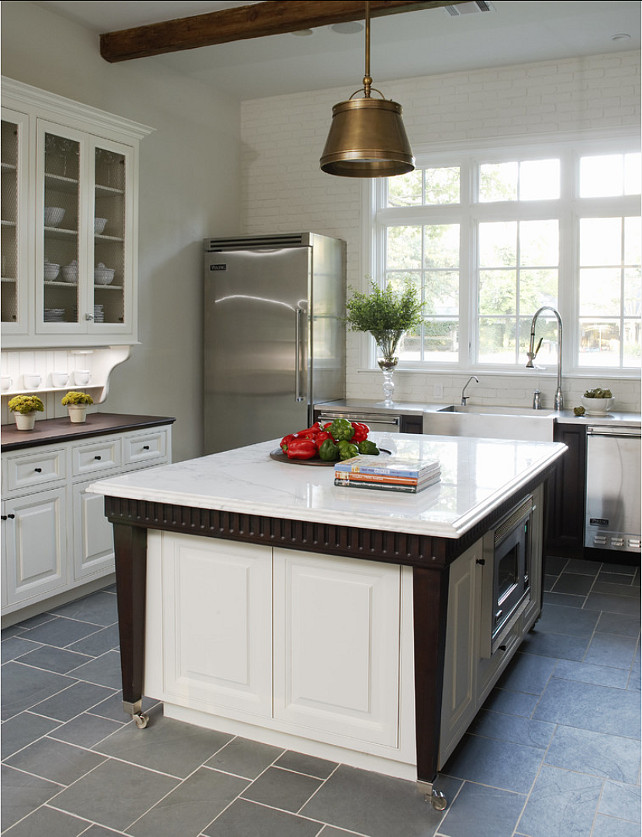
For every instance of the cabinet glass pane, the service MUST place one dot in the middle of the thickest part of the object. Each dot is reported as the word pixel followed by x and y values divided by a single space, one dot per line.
pixel 9 221
pixel 109 237
pixel 60 229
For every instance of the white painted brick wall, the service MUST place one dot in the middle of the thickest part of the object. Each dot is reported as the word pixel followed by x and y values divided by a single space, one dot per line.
pixel 284 189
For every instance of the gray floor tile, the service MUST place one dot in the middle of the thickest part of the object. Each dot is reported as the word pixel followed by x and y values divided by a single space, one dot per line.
pixel 15 647
pixel 511 703
pixel 553 564
pixel 587 673
pixel 617 589
pixel 622 801
pixel 555 646
pixel 55 760
pixel 562 802
pixel 103 670
pixel 483 811
pixel 311 766
pixel 527 673
pixel 53 659
pixel 567 621
pixel 244 758
pixel 247 819
pixel 624 605
pixel 573 583
pixel 330 831
pixel 23 687
pixel 282 789
pixel 611 650
pixel 60 632
pixel 105 639
pixel 23 729
pixel 512 728
pixel 98 608
pixel 586 706
pixel 191 806
pixel 611 827
pixel 615 623
pixel 609 756
pixel 85 730
pixel 582 566
pixel 372 804
pixel 166 745
pixel 563 599
pixel 100 831
pixel 22 794
pixel 502 764
pixel 50 822
pixel 115 794
pixel 72 701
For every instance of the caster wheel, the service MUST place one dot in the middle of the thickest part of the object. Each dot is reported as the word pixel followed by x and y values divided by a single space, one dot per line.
pixel 141 721
pixel 438 800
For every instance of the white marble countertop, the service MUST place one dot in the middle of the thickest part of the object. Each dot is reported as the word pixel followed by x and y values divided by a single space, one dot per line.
pixel 476 476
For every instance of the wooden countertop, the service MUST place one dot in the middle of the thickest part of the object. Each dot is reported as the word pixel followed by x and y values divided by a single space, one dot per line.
pixel 50 431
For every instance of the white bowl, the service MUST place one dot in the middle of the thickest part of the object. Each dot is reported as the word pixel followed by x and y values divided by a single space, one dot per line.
pixel 70 272
pixel 597 406
pixel 99 225
pixel 53 215
pixel 51 271
pixel 103 275
pixel 31 381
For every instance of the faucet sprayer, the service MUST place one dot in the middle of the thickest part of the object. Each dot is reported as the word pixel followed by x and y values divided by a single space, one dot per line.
pixel 532 352
pixel 464 398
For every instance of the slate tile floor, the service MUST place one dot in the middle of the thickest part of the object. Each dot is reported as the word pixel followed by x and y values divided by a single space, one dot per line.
pixel 554 752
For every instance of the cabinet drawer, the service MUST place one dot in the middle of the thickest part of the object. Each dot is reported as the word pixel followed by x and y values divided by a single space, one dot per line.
pixel 145 447
pixel 90 459
pixel 34 469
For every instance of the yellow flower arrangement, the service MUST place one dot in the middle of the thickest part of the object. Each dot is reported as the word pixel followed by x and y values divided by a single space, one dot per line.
pixel 26 404
pixel 76 398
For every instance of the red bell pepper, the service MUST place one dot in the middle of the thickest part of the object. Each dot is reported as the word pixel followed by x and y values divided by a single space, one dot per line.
pixel 361 431
pixel 321 437
pixel 285 441
pixel 301 449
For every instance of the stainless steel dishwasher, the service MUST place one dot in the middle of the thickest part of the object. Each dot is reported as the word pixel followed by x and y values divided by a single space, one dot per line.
pixel 376 421
pixel 613 487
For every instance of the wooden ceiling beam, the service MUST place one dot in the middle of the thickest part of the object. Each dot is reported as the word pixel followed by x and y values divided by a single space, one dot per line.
pixel 272 17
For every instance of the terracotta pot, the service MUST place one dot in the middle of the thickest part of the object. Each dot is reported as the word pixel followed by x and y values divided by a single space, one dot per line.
pixel 25 421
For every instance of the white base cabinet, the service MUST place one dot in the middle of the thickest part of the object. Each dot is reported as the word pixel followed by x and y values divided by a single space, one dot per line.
pixel 55 536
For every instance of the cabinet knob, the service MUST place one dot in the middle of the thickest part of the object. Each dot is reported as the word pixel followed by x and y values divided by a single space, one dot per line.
pixel 11 516
pixel 7 516
pixel 97 457
pixel 145 447
pixel 3 516
pixel 38 470
pixel 481 561
pixel 502 648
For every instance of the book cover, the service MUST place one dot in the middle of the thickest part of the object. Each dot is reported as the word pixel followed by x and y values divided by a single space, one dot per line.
pixel 397 466
pixel 386 486
pixel 351 476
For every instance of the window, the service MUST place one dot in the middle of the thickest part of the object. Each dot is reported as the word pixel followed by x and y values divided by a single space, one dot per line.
pixel 489 238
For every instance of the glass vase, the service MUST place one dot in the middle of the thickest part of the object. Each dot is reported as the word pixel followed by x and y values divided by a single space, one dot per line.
pixel 387 366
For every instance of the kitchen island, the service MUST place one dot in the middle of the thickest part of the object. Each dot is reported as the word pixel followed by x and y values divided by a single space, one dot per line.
pixel 257 597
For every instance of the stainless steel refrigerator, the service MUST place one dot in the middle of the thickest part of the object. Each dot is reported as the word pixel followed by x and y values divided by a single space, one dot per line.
pixel 274 338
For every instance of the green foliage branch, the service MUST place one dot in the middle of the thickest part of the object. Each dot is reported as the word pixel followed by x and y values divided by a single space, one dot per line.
pixel 387 314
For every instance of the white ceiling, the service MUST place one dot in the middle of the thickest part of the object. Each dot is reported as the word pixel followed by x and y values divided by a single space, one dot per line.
pixel 417 43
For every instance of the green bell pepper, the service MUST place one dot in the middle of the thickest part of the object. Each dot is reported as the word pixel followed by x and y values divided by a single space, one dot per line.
pixel 341 430
pixel 329 452
pixel 368 448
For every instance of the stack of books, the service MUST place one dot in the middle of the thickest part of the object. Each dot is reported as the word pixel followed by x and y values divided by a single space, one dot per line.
pixel 389 474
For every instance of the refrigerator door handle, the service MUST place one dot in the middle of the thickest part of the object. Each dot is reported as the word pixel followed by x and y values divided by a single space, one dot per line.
pixel 300 363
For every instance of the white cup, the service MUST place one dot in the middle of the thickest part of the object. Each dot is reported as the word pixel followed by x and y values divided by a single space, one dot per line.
pixel 82 377
pixel 59 379
pixel 31 381
pixel 5 382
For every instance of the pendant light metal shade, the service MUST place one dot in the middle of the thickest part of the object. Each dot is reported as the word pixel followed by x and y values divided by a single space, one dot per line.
pixel 367 137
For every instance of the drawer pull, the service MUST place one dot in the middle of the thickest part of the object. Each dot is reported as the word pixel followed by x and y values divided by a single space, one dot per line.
pixel 145 447
pixel 7 516
pixel 38 470
pixel 97 457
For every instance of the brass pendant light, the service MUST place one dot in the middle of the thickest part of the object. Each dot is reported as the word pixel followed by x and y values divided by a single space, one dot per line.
pixel 367 137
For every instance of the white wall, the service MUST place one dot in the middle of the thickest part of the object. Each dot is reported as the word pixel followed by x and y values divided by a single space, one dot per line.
pixel 284 189
pixel 189 189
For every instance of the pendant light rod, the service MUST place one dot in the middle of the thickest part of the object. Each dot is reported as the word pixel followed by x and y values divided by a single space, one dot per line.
pixel 367 80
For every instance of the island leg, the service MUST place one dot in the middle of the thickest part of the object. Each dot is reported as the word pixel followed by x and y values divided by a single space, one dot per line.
pixel 130 543
pixel 430 605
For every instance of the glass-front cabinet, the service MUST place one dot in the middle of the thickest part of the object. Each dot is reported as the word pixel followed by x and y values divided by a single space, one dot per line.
pixel 15 250
pixel 69 222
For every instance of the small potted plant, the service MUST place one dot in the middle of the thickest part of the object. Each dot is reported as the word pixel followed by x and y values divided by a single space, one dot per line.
pixel 387 314
pixel 25 407
pixel 598 401
pixel 76 404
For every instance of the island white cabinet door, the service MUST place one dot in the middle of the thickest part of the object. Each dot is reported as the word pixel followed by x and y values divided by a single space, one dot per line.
pixel 217 625
pixel 35 545
pixel 336 646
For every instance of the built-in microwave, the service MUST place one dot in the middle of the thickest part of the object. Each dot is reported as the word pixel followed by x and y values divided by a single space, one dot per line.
pixel 506 572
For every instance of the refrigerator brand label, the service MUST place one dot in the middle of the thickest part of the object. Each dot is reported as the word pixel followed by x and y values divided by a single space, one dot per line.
pixel 218 267
pixel 599 521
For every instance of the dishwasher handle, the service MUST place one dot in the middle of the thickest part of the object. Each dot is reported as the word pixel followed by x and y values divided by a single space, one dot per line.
pixel 393 421
pixel 621 432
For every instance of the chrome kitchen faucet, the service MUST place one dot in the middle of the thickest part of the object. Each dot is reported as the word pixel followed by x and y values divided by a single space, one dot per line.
pixel 464 398
pixel 532 352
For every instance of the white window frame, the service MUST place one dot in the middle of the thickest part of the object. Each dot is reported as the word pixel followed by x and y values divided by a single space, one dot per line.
pixel 569 209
